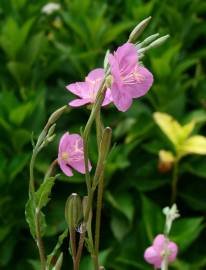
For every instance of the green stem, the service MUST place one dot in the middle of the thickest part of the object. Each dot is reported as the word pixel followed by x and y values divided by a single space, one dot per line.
pixel 174 182
pixel 73 243
pixel 79 251
pixel 37 148
pixel 99 127
pixel 39 240
pixel 51 171
pixel 31 171
pixel 98 214
pixel 164 265
pixel 95 108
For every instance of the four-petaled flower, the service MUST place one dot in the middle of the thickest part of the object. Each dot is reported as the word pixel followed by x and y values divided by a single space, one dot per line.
pixel 130 79
pixel 71 154
pixel 160 247
pixel 87 90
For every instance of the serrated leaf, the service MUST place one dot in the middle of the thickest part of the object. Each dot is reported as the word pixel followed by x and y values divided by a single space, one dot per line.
pixel 30 218
pixel 42 194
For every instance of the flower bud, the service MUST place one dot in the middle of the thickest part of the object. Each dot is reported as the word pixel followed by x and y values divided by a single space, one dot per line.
pixel 154 44
pixel 147 41
pixel 171 214
pixel 137 31
pixel 84 207
pixel 51 130
pixel 55 115
pixel 166 161
pixel 105 142
pixel 73 211
pixel 159 41
pixel 51 138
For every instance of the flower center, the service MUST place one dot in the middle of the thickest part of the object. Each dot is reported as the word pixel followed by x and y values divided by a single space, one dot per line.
pixel 65 155
pixel 138 77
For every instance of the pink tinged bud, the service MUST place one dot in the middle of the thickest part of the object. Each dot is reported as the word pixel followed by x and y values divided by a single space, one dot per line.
pixel 71 154
pixel 130 79
pixel 154 254
pixel 87 90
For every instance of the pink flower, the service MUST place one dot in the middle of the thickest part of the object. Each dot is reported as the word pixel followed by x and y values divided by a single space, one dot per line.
pixel 130 79
pixel 87 90
pixel 155 253
pixel 71 154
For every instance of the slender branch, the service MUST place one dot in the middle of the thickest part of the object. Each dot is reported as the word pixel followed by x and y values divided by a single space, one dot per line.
pixel 96 106
pixel 99 127
pixel 99 99
pixel 79 251
pixel 37 148
pixel 98 213
pixel 72 234
pixel 31 171
pixel 51 170
pixel 40 242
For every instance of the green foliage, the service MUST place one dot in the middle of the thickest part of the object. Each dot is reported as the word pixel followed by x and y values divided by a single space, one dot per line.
pixel 40 54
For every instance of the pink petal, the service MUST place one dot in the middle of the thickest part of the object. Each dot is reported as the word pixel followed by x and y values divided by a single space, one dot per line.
pixel 80 89
pixel 95 74
pixel 115 69
pixel 127 57
pixel 121 98
pixel 158 242
pixel 108 97
pixel 79 166
pixel 174 249
pixel 63 142
pixel 79 102
pixel 143 82
pixel 151 256
pixel 65 168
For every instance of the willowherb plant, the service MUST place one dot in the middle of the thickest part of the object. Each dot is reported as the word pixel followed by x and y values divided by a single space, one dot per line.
pixel 122 79
pixel 163 251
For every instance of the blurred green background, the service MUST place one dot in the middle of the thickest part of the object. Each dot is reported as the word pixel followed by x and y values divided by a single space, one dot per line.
pixel 39 55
